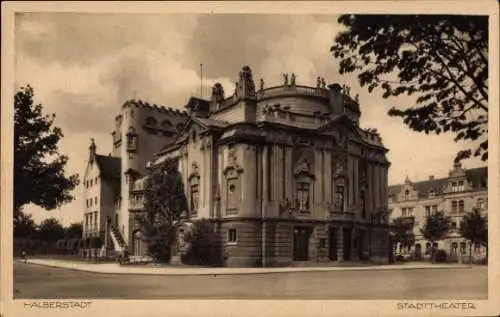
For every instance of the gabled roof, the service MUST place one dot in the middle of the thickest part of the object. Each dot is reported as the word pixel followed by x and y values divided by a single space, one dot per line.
pixel 475 175
pixel 109 166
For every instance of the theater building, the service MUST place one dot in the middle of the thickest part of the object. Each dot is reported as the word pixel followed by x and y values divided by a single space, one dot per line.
pixel 286 173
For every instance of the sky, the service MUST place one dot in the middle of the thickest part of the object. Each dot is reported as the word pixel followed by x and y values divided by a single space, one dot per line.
pixel 84 66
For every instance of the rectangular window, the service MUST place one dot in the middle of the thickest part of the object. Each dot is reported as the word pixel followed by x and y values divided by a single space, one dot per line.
pixel 404 212
pixel 91 182
pixel 231 235
pixel 454 205
pixel 461 206
pixel 463 247
pixel 477 247
pixel 480 203
pixel 410 212
pixel 461 186
pixel 95 201
pixel 454 186
pixel 453 225
pixel 454 247
pixel 339 198
pixel 434 209
pixel 427 211
pixel 95 181
pixel 303 196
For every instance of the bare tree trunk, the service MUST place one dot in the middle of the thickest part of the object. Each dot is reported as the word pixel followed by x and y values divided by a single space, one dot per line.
pixel 470 253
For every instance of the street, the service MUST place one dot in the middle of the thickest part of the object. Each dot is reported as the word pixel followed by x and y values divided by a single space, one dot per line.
pixel 35 281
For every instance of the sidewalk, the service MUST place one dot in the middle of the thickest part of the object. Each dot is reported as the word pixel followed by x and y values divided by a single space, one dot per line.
pixel 114 268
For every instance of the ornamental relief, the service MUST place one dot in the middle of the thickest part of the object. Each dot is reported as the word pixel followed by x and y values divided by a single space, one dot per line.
pixel 232 169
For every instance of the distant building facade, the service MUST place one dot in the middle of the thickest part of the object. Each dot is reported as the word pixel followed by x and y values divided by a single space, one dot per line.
pixel 455 195
pixel 286 173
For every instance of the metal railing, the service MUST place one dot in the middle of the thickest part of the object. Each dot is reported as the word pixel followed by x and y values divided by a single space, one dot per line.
pixel 292 90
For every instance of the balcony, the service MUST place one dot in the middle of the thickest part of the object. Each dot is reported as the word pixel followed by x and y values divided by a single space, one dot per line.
pixel 286 91
pixel 341 215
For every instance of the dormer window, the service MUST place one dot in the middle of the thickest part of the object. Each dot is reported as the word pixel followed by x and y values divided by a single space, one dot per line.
pixel 407 194
pixel 150 121
pixel 166 124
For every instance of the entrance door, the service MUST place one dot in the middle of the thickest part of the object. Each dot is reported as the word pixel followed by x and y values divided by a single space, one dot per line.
pixel 333 244
pixel 361 244
pixel 347 243
pixel 300 244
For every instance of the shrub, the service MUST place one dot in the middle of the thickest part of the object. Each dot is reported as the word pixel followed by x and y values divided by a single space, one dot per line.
pixel 203 245
pixel 441 256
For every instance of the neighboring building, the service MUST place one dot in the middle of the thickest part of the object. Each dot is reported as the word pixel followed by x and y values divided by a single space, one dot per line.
pixel 285 172
pixel 455 195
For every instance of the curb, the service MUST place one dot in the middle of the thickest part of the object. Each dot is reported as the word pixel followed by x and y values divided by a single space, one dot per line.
pixel 305 270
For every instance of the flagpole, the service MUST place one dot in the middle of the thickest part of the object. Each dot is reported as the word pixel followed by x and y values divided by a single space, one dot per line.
pixel 201 81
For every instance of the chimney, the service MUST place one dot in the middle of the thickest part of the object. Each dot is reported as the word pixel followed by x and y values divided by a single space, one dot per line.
pixel 431 177
pixel 92 150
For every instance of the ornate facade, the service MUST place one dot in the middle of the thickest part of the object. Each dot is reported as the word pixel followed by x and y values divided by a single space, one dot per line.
pixel 286 173
pixel 455 195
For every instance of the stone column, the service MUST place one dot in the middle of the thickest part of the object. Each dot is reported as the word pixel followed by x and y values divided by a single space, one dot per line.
pixel 350 169
pixel 316 188
pixel 327 172
pixel 265 177
pixel 340 244
pixel 288 173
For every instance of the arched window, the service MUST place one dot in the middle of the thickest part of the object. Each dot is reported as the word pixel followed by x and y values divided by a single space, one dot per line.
pixel 150 121
pixel 407 194
pixel 179 127
pixel 166 124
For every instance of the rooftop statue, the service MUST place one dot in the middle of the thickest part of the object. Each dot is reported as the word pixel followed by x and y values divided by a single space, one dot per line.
pixel 285 79
pixel 293 79
pixel 261 84
pixel 323 83
pixel 318 82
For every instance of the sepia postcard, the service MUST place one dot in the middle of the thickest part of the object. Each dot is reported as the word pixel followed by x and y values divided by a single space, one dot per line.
pixel 267 158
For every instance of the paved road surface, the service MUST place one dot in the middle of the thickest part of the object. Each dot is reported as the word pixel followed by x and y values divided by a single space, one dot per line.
pixel 35 281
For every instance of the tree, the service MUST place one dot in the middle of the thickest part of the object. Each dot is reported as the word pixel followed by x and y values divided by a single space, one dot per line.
pixel 441 60
pixel 74 231
pixel 402 230
pixel 164 203
pixel 436 228
pixel 474 228
pixel 51 230
pixel 38 167
pixel 24 227
pixel 203 244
